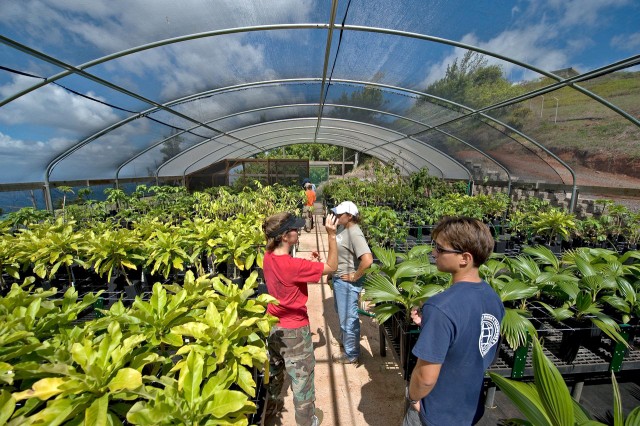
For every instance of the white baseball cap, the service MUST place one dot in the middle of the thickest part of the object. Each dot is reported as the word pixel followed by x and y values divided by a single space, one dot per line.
pixel 345 207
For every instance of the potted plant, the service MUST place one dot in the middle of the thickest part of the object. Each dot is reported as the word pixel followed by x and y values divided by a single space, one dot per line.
pixel 554 225
pixel 50 247
pixel 166 251
pixel 548 402
pixel 399 283
pixel 114 252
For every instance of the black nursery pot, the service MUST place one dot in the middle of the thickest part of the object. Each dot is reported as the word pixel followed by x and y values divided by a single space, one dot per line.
pixel 500 246
pixel 133 290
pixel 580 333
pixel 408 338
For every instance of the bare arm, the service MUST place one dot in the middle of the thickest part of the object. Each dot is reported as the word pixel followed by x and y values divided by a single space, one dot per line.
pixel 365 262
pixel 332 256
pixel 423 379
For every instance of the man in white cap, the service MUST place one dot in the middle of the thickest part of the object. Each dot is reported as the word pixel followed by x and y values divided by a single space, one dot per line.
pixel 354 257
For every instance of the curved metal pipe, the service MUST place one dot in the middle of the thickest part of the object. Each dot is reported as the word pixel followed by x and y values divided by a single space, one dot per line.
pixel 259 124
pixel 332 105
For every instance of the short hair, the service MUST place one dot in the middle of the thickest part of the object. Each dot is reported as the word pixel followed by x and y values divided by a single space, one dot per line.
pixel 355 219
pixel 468 235
pixel 272 224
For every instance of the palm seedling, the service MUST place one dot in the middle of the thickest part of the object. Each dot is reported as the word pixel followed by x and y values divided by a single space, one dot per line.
pixel 402 282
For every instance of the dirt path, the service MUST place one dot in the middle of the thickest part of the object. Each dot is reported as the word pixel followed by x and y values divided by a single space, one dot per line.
pixel 370 394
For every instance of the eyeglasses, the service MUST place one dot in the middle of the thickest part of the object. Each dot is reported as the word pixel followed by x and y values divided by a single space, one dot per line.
pixel 439 249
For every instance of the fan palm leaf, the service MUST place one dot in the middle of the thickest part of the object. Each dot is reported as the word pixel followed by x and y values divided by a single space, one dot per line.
pixel 569 288
pixel 515 290
pixel 516 327
pixel 609 327
pixel 379 288
pixel 410 269
pixel 493 268
pixel 558 313
pixel 385 311
pixel 386 256
pixel 628 255
pixel 524 267
pixel 543 254
pixel 584 266
pixel 419 251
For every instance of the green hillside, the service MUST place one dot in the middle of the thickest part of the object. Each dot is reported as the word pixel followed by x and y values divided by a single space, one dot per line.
pixel 584 125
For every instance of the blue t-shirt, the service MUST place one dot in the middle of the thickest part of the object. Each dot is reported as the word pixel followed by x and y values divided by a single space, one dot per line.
pixel 460 330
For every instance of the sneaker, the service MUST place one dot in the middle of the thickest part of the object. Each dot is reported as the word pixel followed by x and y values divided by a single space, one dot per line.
pixel 344 359
pixel 274 406
pixel 318 415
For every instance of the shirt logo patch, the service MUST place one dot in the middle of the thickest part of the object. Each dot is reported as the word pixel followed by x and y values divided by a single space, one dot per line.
pixel 490 333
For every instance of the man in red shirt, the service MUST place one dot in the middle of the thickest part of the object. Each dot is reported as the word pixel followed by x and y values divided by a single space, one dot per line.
pixel 290 345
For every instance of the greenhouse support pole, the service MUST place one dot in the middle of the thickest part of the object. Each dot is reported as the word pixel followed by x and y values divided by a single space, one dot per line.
pixel 574 197
pixel 47 196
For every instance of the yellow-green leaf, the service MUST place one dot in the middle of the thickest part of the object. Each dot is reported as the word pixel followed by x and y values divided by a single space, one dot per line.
pixel 42 389
pixel 96 414
pixel 126 378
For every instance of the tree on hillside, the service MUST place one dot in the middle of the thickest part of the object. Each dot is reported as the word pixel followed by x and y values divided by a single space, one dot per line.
pixel 369 97
pixel 171 147
pixel 473 83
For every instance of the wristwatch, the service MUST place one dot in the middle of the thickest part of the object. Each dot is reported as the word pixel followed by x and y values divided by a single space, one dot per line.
pixel 411 401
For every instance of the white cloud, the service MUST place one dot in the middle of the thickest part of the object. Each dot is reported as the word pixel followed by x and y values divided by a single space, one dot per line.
pixel 53 106
pixel 185 72
pixel 113 26
pixel 26 161
pixel 542 35
pixel 528 45
pixel 629 42
pixel 585 12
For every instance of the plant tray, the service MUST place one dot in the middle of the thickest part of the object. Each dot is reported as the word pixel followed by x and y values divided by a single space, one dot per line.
pixel 401 342
pixel 589 360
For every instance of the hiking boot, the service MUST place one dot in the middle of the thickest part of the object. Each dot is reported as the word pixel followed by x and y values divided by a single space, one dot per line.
pixel 318 415
pixel 344 359
pixel 274 407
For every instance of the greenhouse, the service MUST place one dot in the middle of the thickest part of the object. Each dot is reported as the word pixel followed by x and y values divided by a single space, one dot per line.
pixel 143 144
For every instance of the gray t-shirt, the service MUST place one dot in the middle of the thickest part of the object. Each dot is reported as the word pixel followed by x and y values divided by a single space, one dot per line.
pixel 351 245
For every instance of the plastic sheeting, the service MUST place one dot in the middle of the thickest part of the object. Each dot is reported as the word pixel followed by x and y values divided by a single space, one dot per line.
pixel 99 90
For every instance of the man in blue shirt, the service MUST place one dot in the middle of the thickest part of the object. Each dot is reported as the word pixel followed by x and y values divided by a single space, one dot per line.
pixel 460 330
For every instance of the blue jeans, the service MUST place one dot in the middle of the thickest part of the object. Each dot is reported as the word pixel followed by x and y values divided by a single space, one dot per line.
pixel 345 297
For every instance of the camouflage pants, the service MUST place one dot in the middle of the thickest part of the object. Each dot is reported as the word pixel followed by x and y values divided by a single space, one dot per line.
pixel 291 349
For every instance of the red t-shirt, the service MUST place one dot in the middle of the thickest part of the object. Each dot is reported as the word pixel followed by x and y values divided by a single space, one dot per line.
pixel 287 279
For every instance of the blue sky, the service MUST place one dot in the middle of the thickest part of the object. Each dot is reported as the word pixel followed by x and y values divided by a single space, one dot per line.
pixel 549 34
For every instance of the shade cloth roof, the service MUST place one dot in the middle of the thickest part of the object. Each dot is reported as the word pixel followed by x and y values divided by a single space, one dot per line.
pixel 94 90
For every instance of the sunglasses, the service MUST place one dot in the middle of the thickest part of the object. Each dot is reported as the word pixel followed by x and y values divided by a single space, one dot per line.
pixel 439 249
